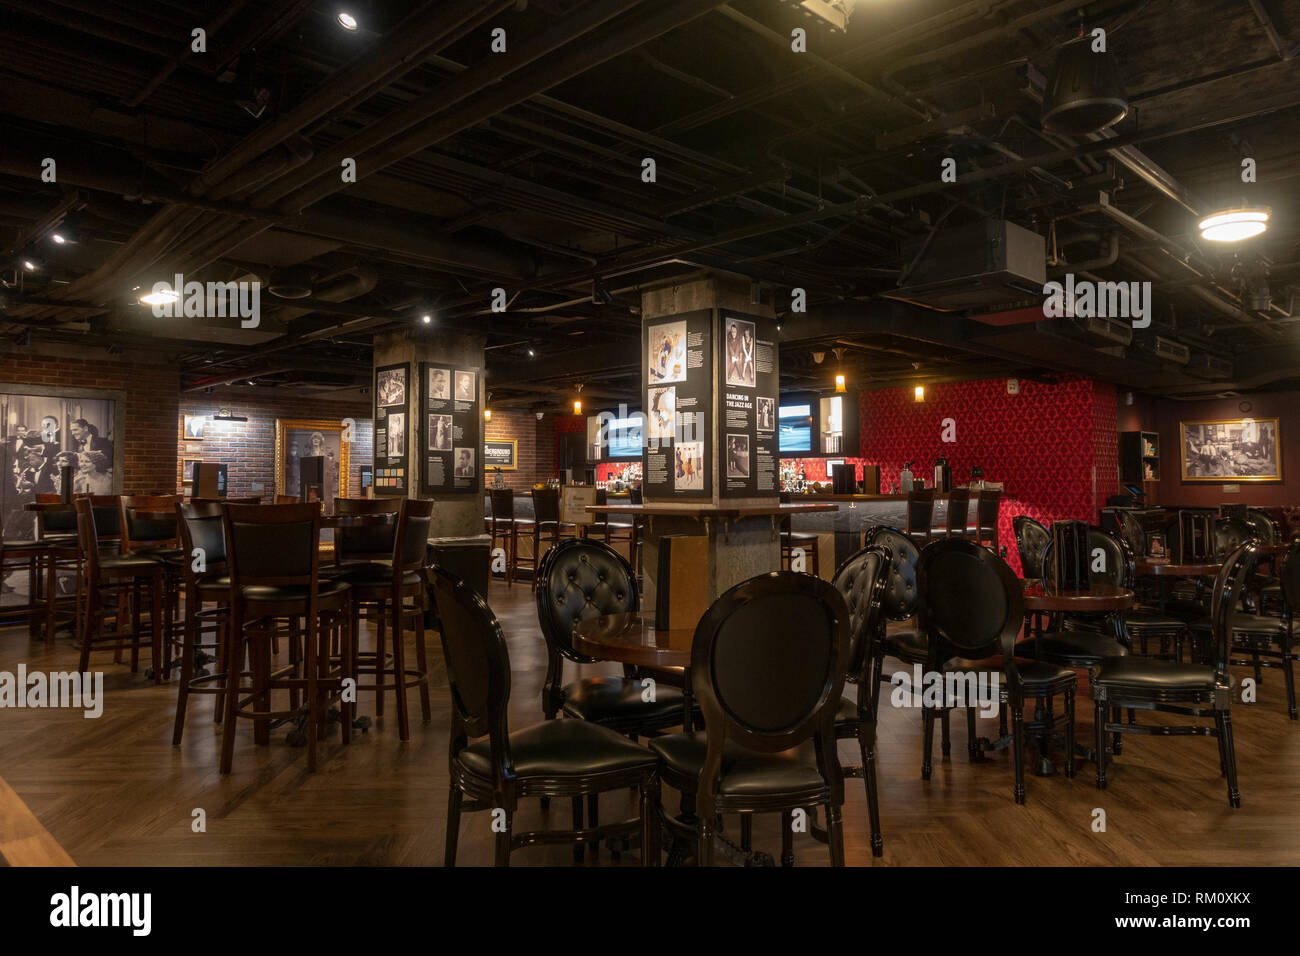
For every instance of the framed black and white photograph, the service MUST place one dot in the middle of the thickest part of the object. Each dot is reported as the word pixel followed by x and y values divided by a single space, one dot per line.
pixel 391 387
pixel 737 456
pixel 738 346
pixel 439 383
pixel 299 443
pixel 396 434
pixel 465 390
pixel 464 459
pixel 1245 449
pixel 766 411
pixel 440 432
pixel 195 427
pixel 187 470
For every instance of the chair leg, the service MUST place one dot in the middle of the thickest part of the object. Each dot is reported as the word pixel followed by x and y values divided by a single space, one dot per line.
pixel 454 798
pixel 234 666
pixel 972 742
pixel 1018 745
pixel 381 634
pixel 503 840
pixel 835 834
pixel 1099 718
pixel 704 841
pixel 787 838
pixel 579 848
pixel 747 832
pixel 927 747
pixel 187 669
pixel 1229 751
pixel 1288 675
pixel 947 741
pixel 1069 733
pixel 399 671
pixel 593 820
pixel 650 823
pixel 156 628
pixel 867 749
pixel 421 661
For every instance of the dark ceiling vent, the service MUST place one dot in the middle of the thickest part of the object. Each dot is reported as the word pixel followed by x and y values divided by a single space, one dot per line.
pixel 1085 93
pixel 982 265
pixel 293 282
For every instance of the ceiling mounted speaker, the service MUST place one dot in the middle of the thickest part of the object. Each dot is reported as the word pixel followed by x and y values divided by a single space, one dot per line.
pixel 1085 93
pixel 293 282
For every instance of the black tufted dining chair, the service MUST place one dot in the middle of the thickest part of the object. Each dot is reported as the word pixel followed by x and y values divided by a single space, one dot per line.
pixel 1031 538
pixel 580 579
pixel 897 603
pixel 861 580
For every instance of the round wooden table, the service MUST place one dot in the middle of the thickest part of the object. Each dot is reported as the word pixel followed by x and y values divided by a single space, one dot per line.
pixel 1102 596
pixel 1163 567
pixel 632 638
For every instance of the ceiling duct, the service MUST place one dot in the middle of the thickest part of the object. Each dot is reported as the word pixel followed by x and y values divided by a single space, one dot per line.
pixel 1085 93
pixel 1166 349
pixel 1097 330
pixel 979 266
pixel 1205 365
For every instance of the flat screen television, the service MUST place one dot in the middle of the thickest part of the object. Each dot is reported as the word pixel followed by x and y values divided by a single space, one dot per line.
pixel 624 436
pixel 795 428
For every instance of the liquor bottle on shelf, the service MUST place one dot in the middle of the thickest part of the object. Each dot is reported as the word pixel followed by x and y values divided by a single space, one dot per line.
pixel 905 478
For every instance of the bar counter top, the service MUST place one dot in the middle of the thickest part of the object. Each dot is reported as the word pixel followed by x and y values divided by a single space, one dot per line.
pixel 713 511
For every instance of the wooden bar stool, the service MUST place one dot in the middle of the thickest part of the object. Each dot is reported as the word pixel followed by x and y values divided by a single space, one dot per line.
pixel 123 574
pixel 202 527
pixel 984 529
pixel 545 525
pixel 954 525
pixel 273 554
pixel 920 514
pixel 385 588
pixel 805 541
pixel 504 526
pixel 58 530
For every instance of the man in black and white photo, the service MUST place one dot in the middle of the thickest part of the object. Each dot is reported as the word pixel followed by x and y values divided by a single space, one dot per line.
pixel 465 391
pixel 464 463
pixel 85 437
pixel 439 383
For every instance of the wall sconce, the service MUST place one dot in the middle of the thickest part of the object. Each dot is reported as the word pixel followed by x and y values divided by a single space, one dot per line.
pixel 487 414
pixel 919 393
pixel 577 406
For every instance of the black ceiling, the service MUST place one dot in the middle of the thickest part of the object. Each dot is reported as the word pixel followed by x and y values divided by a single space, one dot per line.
pixel 523 171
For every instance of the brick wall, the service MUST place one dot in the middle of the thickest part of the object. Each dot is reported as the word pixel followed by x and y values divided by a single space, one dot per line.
pixel 535 448
pixel 152 399
pixel 248 448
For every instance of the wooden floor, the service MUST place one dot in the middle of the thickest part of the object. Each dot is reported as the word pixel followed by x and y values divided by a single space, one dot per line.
pixel 114 791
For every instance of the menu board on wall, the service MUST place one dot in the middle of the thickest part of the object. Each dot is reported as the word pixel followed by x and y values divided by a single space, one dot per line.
pixel 678 377
pixel 392 418
pixel 749 379
pixel 451 430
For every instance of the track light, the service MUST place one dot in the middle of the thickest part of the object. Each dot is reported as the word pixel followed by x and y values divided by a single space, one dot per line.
pixel 1233 225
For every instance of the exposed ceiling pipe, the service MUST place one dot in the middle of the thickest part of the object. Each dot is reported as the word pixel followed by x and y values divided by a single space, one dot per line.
pixel 1112 254
pixel 210 28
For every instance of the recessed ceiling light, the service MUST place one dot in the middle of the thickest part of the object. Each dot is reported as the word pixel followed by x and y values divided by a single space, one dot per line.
pixel 347 21
pixel 161 297
pixel 1233 225
pixel 531 353
pixel 426 318
pixel 29 265
pixel 58 238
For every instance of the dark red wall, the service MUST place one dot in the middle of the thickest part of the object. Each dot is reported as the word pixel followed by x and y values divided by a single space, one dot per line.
pixel 1043 444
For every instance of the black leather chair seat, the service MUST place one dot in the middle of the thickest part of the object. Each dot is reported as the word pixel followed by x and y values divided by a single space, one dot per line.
pixel 1033 673
pixel 1084 648
pixel 910 646
pixel 127 562
pixel 365 568
pixel 291 592
pixel 214 583
pixel 380 577
pixel 19 544
pixel 165 555
pixel 1152 621
pixel 617 701
pixel 560 748
pixel 744 772
pixel 803 537
pixel 1137 673
pixel 1268 624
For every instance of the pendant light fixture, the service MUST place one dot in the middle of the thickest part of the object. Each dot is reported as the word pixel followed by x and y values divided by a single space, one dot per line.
pixel 1085 93
pixel 1235 224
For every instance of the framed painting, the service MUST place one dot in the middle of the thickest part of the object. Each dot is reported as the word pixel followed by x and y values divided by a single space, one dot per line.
pixel 299 443
pixel 187 470
pixel 195 427
pixel 1242 449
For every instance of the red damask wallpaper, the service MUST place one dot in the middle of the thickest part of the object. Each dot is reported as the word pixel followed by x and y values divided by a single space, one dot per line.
pixel 1042 444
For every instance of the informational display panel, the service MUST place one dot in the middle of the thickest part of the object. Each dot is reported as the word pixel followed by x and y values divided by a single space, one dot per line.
pixel 678 374
pixel 392 419
pixel 747 410
pixel 451 430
